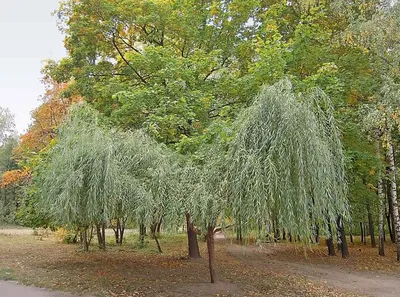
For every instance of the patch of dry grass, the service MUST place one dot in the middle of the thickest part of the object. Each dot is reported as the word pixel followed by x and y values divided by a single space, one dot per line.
pixel 131 271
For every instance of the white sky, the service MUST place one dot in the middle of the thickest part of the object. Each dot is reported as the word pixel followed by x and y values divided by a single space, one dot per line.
pixel 28 36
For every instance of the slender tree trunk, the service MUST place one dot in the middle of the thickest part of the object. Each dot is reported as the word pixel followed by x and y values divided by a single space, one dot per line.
pixel 142 233
pixel 381 198
pixel 390 217
pixel 116 232
pixel 99 236
pixel 316 233
pixel 393 187
pixel 122 230
pixel 193 244
pixel 329 242
pixel 211 253
pixel 342 236
pixel 365 233
pixel 351 238
pixel 158 229
pixel 371 225
pixel 103 236
pixel 239 237
pixel 153 230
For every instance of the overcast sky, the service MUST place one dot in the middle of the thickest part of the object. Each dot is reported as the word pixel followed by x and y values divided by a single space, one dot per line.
pixel 28 35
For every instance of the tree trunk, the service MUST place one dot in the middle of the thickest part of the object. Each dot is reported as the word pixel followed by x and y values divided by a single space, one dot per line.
pixel 342 236
pixel 389 225
pixel 211 253
pixel 85 239
pixel 371 226
pixel 193 245
pixel 142 233
pixel 317 233
pixel 117 232
pixel 99 236
pixel 351 238
pixel 122 230
pixel 239 237
pixel 381 197
pixel 329 242
pixel 390 215
pixel 103 236
pixel 362 232
pixel 153 229
pixel 158 228
pixel 393 187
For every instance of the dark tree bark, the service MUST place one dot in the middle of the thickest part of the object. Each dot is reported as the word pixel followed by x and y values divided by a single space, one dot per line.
pixel 329 242
pixel 153 230
pixel 351 238
pixel 362 231
pixel 342 236
pixel 119 230
pixel 317 233
pixel 239 237
pixel 85 239
pixel 389 225
pixel 101 235
pixel 211 253
pixel 371 226
pixel 283 234
pixel 193 244
pixel 142 233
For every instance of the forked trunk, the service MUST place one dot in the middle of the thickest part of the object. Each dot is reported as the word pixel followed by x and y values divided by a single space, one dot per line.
pixel 211 253
pixel 153 229
pixel 193 244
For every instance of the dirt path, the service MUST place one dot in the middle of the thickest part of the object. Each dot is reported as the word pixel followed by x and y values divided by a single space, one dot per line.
pixel 375 284
pixel 12 289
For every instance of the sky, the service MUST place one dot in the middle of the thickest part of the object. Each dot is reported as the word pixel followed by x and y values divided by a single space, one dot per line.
pixel 28 36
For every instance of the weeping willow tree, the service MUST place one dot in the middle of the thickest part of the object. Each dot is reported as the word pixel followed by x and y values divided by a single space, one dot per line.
pixel 285 163
pixel 155 167
pixel 83 181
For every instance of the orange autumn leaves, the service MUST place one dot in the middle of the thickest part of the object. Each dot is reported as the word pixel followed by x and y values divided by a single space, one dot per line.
pixel 13 177
pixel 46 119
